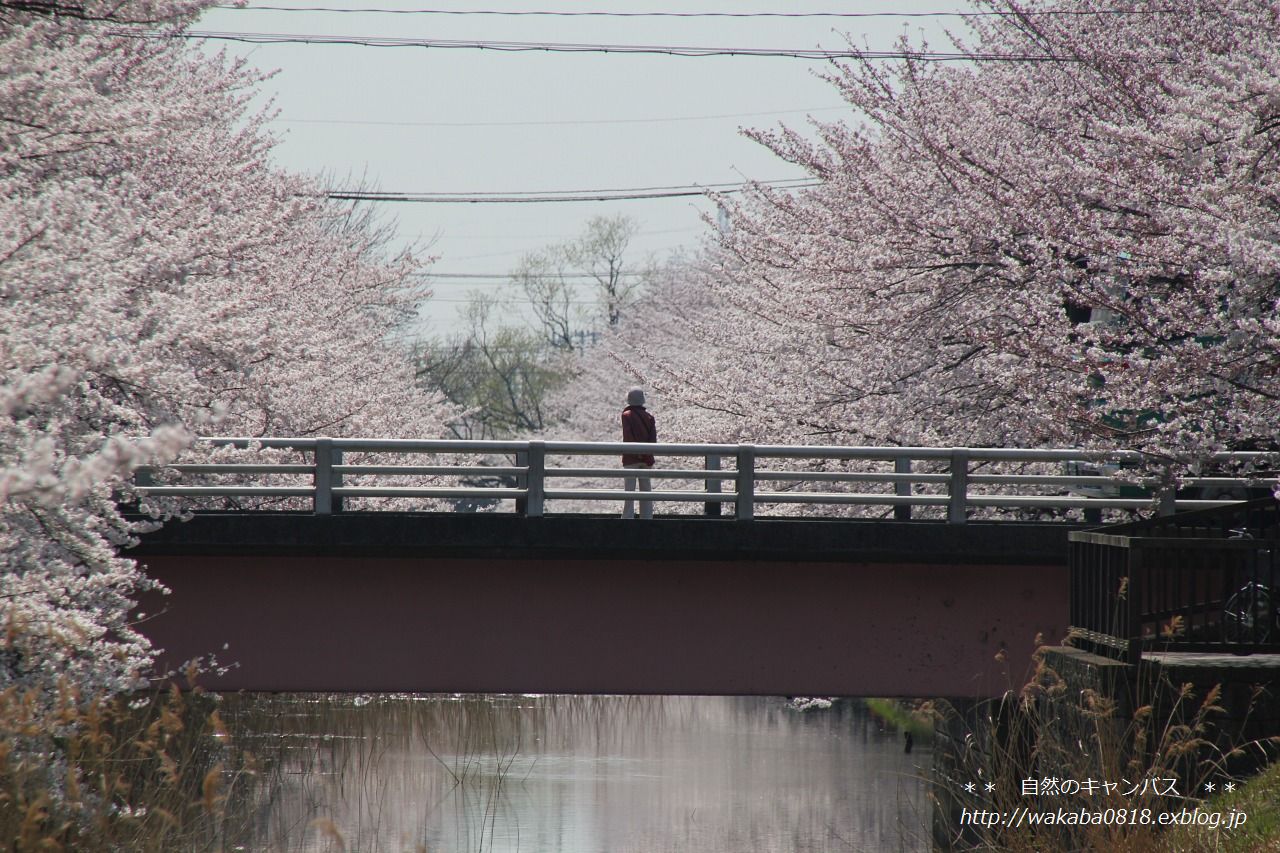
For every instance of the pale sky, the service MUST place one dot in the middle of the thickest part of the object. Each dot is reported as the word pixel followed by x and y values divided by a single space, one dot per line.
pixel 442 120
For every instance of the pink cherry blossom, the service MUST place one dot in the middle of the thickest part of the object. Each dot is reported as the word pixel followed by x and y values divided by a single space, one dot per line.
pixel 931 289
pixel 159 278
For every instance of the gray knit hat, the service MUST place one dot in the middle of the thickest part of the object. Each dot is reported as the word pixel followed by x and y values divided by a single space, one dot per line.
pixel 635 397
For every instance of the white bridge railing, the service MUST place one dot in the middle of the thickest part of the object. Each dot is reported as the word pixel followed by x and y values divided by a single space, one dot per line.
pixel 955 480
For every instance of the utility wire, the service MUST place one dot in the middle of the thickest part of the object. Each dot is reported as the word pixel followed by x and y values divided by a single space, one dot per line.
pixel 431 300
pixel 519 200
pixel 780 182
pixel 468 347
pixel 507 276
pixel 585 47
pixel 596 14
pixel 551 196
pixel 574 122
pixel 451 236
pixel 473 199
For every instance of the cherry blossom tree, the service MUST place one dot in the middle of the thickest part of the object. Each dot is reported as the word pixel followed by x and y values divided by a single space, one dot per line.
pixel 158 278
pixel 664 344
pixel 1069 240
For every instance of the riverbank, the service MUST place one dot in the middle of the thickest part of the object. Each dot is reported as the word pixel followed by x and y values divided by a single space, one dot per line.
pixel 1139 753
pixel 1258 799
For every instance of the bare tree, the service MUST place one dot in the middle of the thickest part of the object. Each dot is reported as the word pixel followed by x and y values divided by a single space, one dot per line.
pixel 542 278
pixel 502 374
pixel 593 268
pixel 601 253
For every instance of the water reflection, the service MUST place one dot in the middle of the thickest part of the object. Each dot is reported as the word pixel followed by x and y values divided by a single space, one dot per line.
pixel 579 774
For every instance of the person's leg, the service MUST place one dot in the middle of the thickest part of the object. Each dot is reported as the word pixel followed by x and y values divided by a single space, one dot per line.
pixel 646 507
pixel 628 507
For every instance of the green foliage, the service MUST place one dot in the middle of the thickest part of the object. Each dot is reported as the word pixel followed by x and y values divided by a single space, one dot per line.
pixel 902 717
pixel 1259 798
pixel 500 376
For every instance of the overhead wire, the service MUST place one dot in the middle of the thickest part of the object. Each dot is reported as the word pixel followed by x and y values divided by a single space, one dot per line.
pixel 411 198
pixel 644 233
pixel 571 122
pixel 507 276
pixel 688 51
pixel 779 182
pixel 563 47
pixel 516 13
pixel 554 196
pixel 462 300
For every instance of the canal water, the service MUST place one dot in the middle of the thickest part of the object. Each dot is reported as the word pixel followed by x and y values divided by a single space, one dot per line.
pixel 578 774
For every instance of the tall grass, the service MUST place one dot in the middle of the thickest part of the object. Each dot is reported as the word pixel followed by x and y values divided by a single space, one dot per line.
pixel 151 773
pixel 1129 739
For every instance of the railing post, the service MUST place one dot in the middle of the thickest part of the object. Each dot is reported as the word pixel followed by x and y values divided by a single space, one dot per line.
pixel 335 478
pixel 323 478
pixel 712 508
pixel 902 511
pixel 1133 589
pixel 958 486
pixel 522 481
pixel 1167 501
pixel 537 482
pixel 746 483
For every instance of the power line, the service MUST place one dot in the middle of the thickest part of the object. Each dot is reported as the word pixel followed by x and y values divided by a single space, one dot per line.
pixel 507 276
pixel 575 122
pixel 467 347
pixel 464 301
pixel 585 47
pixel 450 236
pixel 416 198
pixel 489 255
pixel 550 196
pixel 780 182
pixel 598 14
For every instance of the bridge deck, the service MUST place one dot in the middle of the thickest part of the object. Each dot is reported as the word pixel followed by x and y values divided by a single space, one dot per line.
pixel 454 603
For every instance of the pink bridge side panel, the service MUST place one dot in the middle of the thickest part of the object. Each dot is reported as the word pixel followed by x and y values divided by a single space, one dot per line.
pixel 607 626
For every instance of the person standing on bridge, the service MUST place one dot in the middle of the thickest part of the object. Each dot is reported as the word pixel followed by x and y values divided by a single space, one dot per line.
pixel 637 425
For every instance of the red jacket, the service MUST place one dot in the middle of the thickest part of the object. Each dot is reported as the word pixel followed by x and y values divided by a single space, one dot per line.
pixel 638 425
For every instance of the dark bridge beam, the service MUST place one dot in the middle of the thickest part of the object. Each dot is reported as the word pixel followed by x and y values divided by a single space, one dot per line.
pixel 448 603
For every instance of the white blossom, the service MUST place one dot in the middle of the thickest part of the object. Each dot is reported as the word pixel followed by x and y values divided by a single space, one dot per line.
pixel 158 277
pixel 930 289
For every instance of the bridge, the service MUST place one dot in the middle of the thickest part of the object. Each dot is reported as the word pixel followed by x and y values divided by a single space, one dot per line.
pixel 310 562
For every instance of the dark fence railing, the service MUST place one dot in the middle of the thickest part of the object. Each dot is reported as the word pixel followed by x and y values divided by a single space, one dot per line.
pixel 1206 581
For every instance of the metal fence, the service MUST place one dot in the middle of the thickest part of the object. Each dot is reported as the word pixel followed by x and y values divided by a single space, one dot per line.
pixel 530 475
pixel 1198 582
